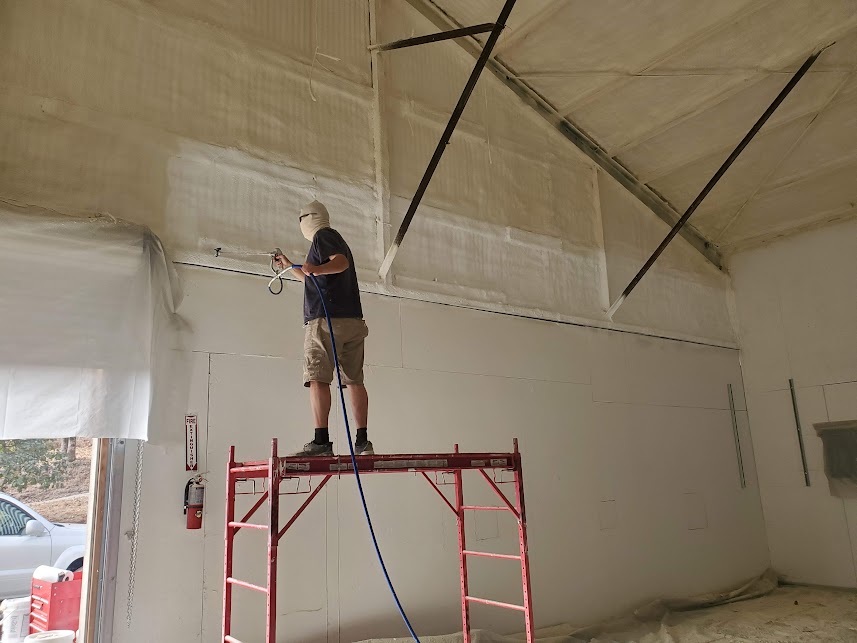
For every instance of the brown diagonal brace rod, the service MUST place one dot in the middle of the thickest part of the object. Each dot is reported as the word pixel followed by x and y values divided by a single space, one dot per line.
pixel 714 179
pixel 434 37
pixel 447 134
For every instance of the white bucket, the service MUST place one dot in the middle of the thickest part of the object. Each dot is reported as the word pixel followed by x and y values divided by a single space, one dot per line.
pixel 52 574
pixel 54 636
pixel 16 619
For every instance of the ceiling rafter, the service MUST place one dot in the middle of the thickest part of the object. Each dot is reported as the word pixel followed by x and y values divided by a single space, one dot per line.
pixel 653 201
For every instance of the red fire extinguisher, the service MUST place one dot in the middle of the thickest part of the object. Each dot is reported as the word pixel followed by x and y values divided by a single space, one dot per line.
pixel 194 496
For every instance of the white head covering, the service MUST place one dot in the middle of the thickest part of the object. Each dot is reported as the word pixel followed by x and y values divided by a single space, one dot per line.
pixel 314 217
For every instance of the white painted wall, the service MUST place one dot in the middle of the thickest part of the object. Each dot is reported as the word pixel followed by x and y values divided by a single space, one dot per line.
pixel 797 308
pixel 630 469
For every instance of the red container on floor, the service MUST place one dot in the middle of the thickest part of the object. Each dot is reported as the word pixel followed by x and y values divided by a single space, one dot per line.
pixel 55 606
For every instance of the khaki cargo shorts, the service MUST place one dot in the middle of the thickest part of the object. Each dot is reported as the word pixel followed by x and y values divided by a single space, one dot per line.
pixel 350 334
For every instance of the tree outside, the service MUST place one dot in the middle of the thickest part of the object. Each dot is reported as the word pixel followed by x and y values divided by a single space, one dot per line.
pixel 51 476
pixel 31 463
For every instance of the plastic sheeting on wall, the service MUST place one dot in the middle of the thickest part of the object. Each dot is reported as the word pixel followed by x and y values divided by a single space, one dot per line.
pixel 82 304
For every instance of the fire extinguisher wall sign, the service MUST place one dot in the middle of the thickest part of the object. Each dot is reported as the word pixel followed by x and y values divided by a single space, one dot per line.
pixel 191 429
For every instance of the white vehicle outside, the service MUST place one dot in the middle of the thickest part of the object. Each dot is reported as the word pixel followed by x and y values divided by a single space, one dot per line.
pixel 28 540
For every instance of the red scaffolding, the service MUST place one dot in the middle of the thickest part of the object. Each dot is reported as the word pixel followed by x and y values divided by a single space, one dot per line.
pixel 277 469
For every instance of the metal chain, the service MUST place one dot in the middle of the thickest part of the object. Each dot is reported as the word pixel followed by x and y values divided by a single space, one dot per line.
pixel 135 527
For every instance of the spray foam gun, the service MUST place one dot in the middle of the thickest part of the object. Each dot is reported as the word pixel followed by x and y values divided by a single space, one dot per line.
pixel 273 254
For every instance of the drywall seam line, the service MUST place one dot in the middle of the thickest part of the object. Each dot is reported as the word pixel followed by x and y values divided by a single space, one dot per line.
pixel 766 391
pixel 438 300
pixel 666 406
pixel 204 539
pixel 517 378
pixel 575 135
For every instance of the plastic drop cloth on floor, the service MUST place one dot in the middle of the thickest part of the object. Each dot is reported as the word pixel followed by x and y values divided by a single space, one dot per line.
pixel 787 614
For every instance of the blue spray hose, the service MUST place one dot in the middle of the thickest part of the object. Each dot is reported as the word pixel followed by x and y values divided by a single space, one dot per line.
pixel 354 461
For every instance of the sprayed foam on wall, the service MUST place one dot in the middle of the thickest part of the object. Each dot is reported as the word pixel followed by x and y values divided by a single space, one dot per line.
pixel 212 123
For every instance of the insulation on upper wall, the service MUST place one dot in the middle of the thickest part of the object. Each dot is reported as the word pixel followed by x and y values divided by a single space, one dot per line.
pixel 681 293
pixel 198 125
pixel 212 122
pixel 511 212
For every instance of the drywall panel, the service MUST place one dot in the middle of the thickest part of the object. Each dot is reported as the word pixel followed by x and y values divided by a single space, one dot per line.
pixel 253 399
pixel 808 534
pixel 760 325
pixel 654 456
pixel 248 320
pixel 472 378
pixel 812 408
pixel 795 322
pixel 165 548
pixel 797 291
pixel 841 401
pixel 775 439
pixel 628 368
pixel 748 449
pixel 681 292
pixel 468 341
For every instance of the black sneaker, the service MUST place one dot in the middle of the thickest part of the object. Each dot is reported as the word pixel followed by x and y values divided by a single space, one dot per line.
pixel 364 449
pixel 312 449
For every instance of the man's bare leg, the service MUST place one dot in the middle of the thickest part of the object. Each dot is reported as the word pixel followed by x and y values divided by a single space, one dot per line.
pixel 319 396
pixel 360 409
pixel 359 405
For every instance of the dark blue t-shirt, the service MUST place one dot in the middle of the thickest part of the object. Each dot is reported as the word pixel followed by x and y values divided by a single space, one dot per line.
pixel 340 290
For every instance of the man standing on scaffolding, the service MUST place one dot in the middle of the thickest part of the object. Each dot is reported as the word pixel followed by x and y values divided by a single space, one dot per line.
pixel 329 260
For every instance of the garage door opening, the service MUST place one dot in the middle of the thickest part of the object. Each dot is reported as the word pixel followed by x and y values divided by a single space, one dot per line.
pixel 44 504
